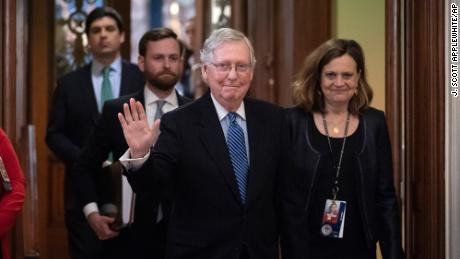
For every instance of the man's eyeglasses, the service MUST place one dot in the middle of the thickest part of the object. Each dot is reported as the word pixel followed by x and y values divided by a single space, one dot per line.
pixel 227 67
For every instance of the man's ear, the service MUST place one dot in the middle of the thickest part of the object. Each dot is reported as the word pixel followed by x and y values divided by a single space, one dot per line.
pixel 204 72
pixel 122 37
pixel 141 63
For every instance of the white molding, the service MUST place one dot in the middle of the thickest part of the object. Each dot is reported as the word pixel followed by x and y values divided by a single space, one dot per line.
pixel 452 151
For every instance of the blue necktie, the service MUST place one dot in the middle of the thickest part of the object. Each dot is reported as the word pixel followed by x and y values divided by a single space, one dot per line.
pixel 237 148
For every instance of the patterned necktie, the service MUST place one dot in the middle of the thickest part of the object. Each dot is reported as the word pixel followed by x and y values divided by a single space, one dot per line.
pixel 237 148
pixel 159 112
pixel 106 89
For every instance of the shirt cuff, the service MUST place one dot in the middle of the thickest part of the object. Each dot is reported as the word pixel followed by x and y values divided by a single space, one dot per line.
pixel 133 164
pixel 90 208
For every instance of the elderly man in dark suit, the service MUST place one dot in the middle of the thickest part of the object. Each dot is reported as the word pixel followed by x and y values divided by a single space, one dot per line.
pixel 77 102
pixel 160 58
pixel 220 156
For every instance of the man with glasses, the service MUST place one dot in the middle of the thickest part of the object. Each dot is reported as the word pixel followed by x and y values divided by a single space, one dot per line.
pixel 220 156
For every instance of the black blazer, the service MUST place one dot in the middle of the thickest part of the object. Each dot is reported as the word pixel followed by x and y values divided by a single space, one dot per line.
pixel 74 112
pixel 208 219
pixel 108 137
pixel 377 197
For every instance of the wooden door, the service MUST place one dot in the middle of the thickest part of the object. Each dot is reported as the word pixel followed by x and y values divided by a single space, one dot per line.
pixel 425 126
pixel 415 96
pixel 51 227
pixel 282 32
pixel 14 115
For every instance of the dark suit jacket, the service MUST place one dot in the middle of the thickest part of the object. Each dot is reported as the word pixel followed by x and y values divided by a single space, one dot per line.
pixel 108 137
pixel 378 204
pixel 208 219
pixel 74 113
pixel 145 238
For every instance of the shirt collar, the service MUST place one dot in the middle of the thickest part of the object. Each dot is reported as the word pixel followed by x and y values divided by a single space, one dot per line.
pixel 96 67
pixel 150 97
pixel 222 112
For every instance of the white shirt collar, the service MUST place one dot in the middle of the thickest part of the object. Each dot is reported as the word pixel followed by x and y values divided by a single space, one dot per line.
pixel 96 67
pixel 150 97
pixel 222 112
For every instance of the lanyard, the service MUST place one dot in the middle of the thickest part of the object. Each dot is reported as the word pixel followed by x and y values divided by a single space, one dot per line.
pixel 335 188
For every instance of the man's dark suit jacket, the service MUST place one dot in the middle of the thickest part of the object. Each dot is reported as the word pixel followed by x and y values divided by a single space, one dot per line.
pixel 74 113
pixel 108 137
pixel 208 219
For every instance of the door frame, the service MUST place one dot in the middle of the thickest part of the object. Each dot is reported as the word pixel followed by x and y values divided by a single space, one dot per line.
pixel 415 109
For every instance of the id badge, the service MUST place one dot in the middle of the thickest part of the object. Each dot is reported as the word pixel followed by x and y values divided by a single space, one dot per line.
pixel 333 218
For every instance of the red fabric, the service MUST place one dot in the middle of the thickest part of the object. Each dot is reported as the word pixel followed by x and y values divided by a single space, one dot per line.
pixel 10 202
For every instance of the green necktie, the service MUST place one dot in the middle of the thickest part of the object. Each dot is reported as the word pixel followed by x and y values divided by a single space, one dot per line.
pixel 106 90
pixel 106 94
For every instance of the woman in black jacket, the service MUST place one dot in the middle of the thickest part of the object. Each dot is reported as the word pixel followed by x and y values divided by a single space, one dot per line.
pixel 338 198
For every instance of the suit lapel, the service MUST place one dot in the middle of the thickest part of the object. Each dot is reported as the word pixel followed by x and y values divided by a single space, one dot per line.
pixel 213 139
pixel 139 96
pixel 255 125
pixel 88 90
pixel 125 75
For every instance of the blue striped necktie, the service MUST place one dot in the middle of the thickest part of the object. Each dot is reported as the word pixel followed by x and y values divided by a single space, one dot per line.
pixel 237 149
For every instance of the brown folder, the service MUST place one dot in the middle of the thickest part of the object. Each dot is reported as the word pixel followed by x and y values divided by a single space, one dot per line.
pixel 110 186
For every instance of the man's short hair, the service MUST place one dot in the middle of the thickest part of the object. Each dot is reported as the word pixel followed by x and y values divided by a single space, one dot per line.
pixel 101 12
pixel 157 34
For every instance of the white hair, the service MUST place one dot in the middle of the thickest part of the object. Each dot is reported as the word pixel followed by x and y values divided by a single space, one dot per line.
pixel 220 36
